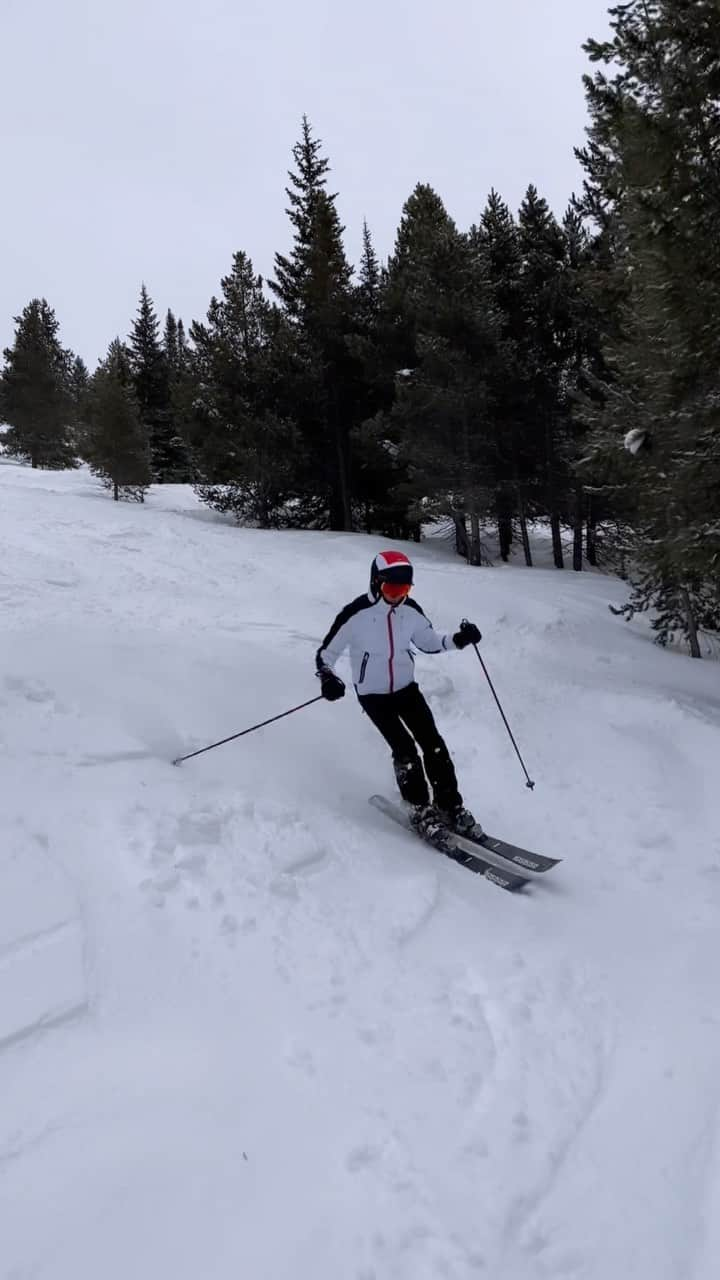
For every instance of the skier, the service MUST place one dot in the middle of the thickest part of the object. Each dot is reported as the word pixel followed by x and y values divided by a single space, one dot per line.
pixel 381 629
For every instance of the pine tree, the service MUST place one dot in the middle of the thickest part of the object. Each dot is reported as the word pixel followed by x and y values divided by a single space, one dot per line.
pixel 583 375
pixel 178 464
pixel 151 381
pixel 78 384
pixel 314 285
pixel 35 390
pixel 116 446
pixel 240 369
pixel 378 474
pixel 181 346
pixel 497 241
pixel 170 343
pixel 438 292
pixel 367 291
pixel 651 173
pixel 426 241
pixel 543 351
pixel 292 274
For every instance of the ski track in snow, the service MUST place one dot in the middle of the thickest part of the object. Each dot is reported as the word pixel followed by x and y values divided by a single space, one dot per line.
pixel 249 1028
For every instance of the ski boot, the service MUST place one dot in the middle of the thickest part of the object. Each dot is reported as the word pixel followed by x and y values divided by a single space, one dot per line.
pixel 462 822
pixel 429 823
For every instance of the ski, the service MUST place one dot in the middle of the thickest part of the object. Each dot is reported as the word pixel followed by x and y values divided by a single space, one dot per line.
pixel 525 858
pixel 467 856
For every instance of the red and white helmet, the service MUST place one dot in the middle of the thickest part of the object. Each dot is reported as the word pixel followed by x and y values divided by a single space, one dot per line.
pixel 391 576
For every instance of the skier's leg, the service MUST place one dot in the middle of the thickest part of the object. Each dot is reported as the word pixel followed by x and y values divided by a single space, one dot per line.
pixel 417 716
pixel 409 774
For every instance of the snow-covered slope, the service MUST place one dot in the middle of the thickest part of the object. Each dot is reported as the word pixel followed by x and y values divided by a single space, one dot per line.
pixel 248 1028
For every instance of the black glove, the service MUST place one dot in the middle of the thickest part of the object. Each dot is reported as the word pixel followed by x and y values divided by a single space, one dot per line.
pixel 468 634
pixel 331 686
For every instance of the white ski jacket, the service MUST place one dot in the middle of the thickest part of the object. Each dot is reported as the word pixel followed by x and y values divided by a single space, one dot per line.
pixel 381 639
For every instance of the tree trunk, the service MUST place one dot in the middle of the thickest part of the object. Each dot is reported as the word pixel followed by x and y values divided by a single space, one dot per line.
pixel 262 518
pixel 461 538
pixel 345 491
pixel 474 553
pixel 524 535
pixel 578 530
pixel 116 490
pixel 504 509
pixel 690 623
pixel 474 556
pixel 556 541
pixel 552 502
pixel 343 495
pixel 590 542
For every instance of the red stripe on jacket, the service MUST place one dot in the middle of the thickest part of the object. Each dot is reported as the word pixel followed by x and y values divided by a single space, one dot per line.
pixel 391 637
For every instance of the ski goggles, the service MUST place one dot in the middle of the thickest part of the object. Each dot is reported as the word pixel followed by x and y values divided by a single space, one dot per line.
pixel 394 592
pixel 396 582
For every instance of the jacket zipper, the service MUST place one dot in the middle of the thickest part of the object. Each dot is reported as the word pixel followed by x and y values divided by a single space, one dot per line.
pixel 363 667
pixel 392 651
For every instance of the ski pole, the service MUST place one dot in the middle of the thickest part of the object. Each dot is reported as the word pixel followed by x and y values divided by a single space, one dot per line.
pixel 529 783
pixel 252 729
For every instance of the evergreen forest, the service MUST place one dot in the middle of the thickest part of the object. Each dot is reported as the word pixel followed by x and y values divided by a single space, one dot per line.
pixel 532 369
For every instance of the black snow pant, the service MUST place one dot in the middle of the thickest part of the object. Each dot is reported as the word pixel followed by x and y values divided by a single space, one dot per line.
pixel 406 723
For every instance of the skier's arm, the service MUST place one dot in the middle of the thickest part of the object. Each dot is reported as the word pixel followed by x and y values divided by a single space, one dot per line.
pixel 425 637
pixel 335 642
pixel 428 640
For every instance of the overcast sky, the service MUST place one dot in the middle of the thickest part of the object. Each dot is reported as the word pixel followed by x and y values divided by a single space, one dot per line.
pixel 149 139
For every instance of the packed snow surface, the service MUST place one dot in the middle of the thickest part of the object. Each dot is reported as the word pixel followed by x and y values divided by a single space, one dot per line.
pixel 251 1030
